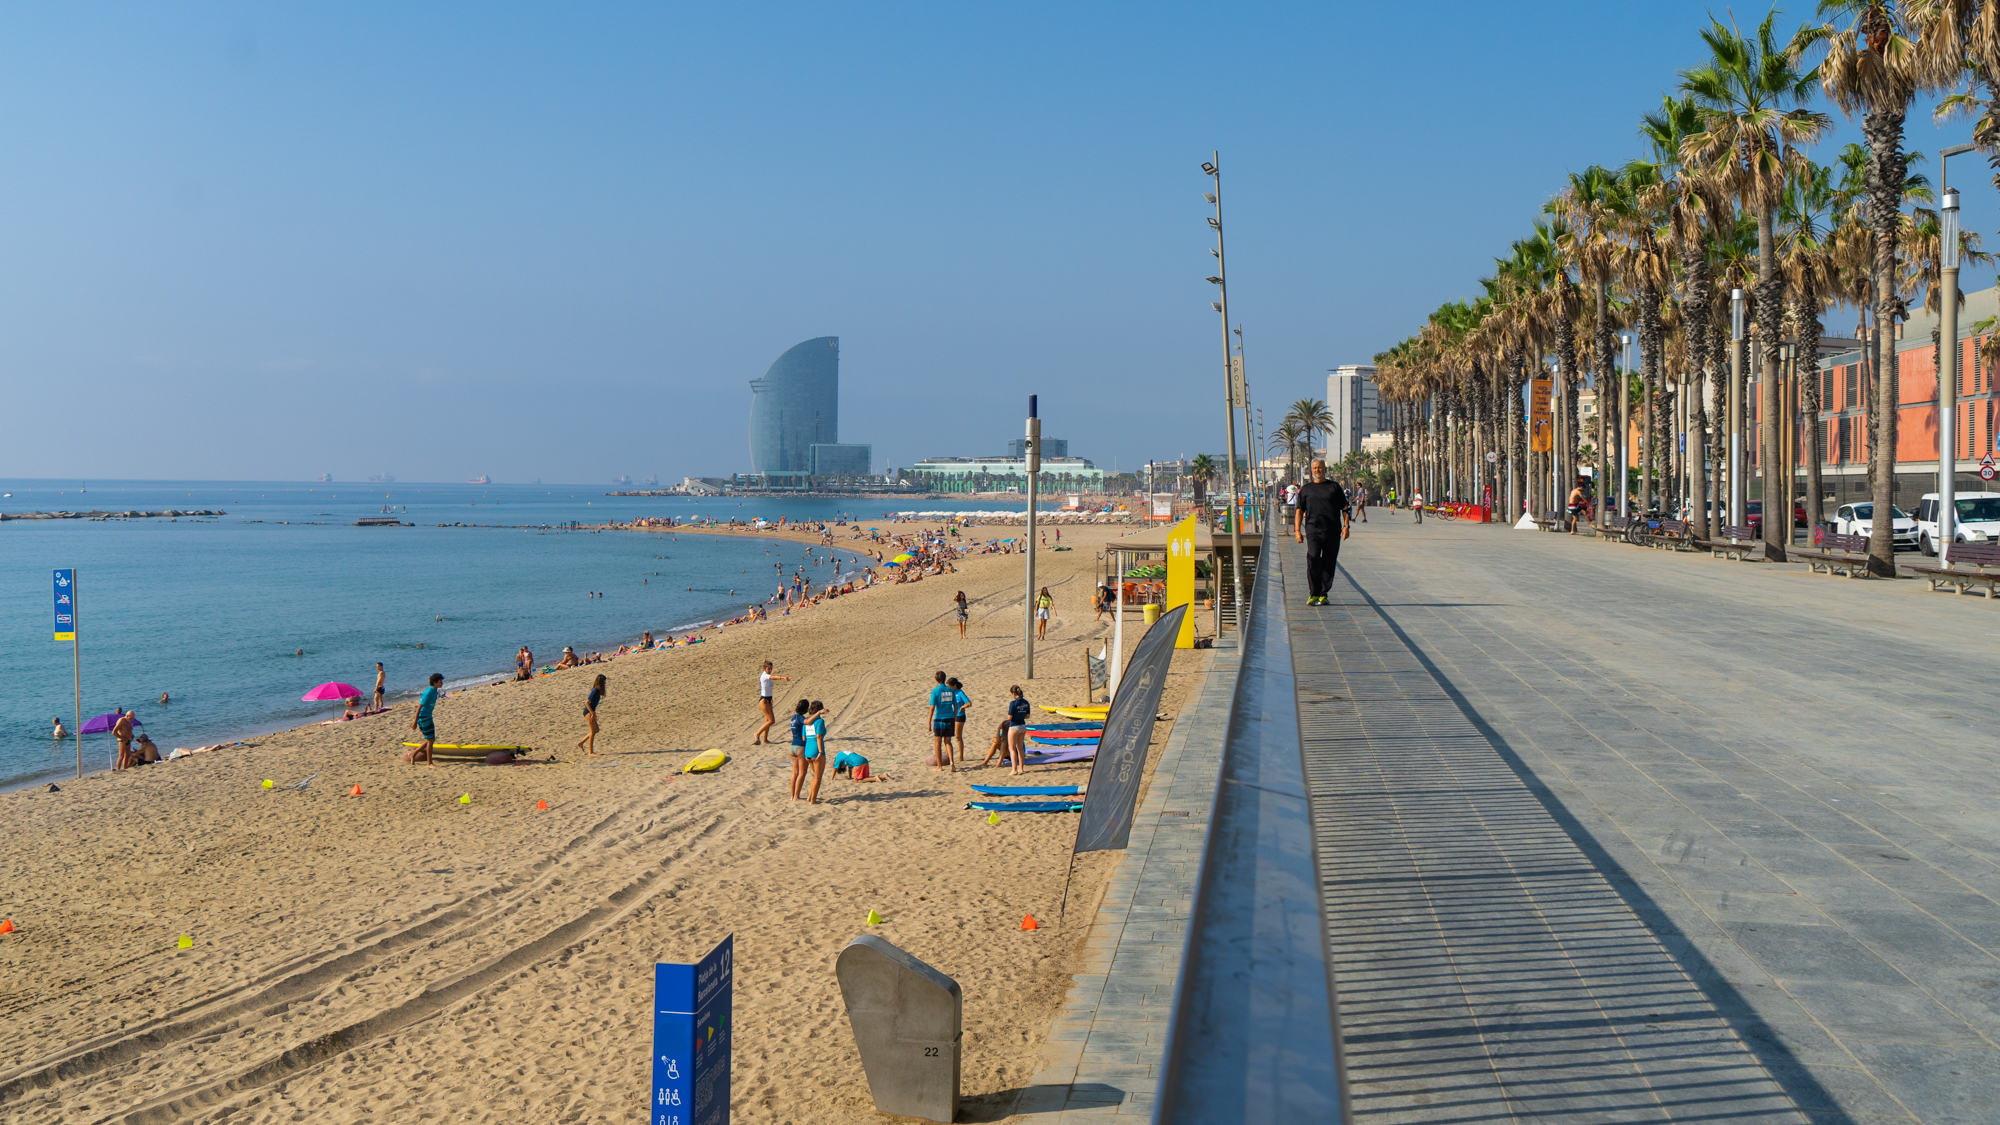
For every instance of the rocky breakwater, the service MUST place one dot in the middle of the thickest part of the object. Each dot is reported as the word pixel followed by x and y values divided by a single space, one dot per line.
pixel 171 513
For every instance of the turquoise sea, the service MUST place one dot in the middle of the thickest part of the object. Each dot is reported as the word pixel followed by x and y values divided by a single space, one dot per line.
pixel 214 611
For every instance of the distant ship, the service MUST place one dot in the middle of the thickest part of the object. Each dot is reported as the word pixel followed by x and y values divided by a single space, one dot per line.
pixel 383 478
pixel 481 479
pixel 326 478
pixel 651 481
pixel 622 482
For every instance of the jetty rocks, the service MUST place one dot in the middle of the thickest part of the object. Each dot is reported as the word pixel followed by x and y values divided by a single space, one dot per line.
pixel 171 513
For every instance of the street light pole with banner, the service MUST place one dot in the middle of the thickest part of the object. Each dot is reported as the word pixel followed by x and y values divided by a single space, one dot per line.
pixel 65 588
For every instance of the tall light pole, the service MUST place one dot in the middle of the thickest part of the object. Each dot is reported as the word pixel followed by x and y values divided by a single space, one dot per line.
pixel 1625 426
pixel 1033 465
pixel 1736 490
pixel 1948 359
pixel 1221 281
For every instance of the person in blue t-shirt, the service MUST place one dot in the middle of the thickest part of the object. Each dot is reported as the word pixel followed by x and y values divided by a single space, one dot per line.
pixel 799 746
pixel 1017 729
pixel 943 709
pixel 423 723
pixel 959 703
pixel 815 751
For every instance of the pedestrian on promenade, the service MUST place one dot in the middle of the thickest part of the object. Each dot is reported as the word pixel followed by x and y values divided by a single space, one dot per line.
pixel 1575 506
pixel 1322 521
pixel 1417 505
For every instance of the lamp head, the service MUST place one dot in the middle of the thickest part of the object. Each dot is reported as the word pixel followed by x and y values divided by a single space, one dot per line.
pixel 1215 281
pixel 1208 168
pixel 1216 305
pixel 1208 195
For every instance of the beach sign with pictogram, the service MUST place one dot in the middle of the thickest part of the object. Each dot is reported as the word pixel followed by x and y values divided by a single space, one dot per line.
pixel 692 1009
pixel 1180 576
pixel 66 605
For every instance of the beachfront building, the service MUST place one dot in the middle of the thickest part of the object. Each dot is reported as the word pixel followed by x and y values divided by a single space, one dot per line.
pixel 795 406
pixel 1358 410
pixel 1051 447
pixel 832 461
pixel 1381 441
pixel 998 474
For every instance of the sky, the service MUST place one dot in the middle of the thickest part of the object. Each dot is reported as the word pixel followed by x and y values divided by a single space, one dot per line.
pixel 245 242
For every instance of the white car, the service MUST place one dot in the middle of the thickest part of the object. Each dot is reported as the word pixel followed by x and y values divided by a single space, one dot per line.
pixel 1859 519
pixel 1978 519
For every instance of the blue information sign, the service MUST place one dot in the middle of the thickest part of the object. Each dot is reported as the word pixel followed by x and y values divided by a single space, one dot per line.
pixel 691 1039
pixel 65 605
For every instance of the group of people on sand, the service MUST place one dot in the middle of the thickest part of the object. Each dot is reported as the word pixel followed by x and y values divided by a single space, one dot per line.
pixel 946 708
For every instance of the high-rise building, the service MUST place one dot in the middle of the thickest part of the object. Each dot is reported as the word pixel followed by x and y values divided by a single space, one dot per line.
pixel 795 406
pixel 841 461
pixel 1357 409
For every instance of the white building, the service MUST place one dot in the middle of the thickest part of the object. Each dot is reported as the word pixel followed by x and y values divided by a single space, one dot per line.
pixel 1381 441
pixel 1357 409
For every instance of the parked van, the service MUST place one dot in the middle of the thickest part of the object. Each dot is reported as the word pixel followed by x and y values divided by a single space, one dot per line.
pixel 1978 519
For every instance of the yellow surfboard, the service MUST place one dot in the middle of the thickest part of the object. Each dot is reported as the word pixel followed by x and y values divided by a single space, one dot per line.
pixel 1080 712
pixel 705 762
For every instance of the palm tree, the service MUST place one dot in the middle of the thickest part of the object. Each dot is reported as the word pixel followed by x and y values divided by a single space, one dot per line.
pixel 1286 438
pixel 1312 416
pixel 1750 96
pixel 1888 52
pixel 1202 469
pixel 1806 248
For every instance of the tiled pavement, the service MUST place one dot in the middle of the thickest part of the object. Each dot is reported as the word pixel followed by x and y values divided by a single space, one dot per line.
pixel 1102 1058
pixel 1613 834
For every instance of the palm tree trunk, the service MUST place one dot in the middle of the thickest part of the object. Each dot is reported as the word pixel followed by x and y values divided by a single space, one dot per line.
pixel 1887 172
pixel 1805 305
pixel 1770 306
pixel 1718 358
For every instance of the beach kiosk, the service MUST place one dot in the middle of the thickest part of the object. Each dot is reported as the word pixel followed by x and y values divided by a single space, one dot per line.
pixel 1150 545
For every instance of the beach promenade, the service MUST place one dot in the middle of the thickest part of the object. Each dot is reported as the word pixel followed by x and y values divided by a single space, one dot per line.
pixel 1611 834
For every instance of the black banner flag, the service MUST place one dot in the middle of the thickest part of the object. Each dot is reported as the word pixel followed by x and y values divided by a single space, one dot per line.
pixel 1128 729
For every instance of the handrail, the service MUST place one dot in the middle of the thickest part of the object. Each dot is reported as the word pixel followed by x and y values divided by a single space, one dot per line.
pixel 1253 1033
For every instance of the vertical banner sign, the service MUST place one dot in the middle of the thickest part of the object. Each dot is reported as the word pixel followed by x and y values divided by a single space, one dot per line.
pixel 691 1039
pixel 1128 730
pixel 1541 422
pixel 1238 395
pixel 1180 577
pixel 65 605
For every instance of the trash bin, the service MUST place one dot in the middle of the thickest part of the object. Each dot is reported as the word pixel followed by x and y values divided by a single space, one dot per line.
pixel 1151 612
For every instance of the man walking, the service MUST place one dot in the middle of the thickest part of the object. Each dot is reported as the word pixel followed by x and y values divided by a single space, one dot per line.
pixel 1321 523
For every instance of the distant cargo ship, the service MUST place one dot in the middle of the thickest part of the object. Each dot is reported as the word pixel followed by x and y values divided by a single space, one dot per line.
pixel 326 478
pixel 621 481
pixel 651 481
pixel 480 480
pixel 383 478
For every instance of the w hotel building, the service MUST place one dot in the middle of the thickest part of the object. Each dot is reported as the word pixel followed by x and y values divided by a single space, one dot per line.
pixel 1843 432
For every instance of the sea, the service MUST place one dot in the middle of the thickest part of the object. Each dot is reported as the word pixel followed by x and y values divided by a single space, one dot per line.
pixel 235 617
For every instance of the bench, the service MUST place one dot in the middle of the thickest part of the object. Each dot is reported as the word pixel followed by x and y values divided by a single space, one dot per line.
pixel 1978 556
pixel 1739 543
pixel 1614 529
pixel 1837 554
pixel 1668 535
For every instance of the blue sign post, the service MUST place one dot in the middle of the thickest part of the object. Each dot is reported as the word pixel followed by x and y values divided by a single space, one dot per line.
pixel 66 631
pixel 692 1038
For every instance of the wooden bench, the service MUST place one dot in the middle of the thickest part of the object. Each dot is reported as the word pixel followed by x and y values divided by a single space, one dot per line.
pixel 1836 554
pixel 1739 543
pixel 1615 529
pixel 1667 535
pixel 1977 556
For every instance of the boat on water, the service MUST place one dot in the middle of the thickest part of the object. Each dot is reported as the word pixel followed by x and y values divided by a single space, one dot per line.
pixel 650 482
pixel 326 478
pixel 378 521
pixel 382 478
pixel 622 482
pixel 480 479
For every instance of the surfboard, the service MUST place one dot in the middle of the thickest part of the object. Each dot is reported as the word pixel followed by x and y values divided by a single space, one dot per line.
pixel 469 747
pixel 705 762
pixel 1027 790
pixel 1072 744
pixel 1064 755
pixel 1098 725
pixel 1097 713
pixel 1026 806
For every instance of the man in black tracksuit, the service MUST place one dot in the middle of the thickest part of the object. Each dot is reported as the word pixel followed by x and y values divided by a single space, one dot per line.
pixel 1321 523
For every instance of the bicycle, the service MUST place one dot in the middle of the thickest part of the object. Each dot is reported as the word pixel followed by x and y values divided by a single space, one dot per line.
pixel 1445 513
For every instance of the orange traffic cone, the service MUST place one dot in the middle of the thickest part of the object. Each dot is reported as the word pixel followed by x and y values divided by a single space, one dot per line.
pixel 6 926
pixel 1029 923
pixel 356 791
pixel 541 806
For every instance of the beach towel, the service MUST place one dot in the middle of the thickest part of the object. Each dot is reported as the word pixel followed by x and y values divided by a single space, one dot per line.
pixel 1026 806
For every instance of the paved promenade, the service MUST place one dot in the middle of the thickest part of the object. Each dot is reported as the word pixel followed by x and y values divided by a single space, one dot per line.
pixel 1611 834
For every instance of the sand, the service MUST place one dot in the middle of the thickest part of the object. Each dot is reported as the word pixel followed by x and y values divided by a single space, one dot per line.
pixel 400 956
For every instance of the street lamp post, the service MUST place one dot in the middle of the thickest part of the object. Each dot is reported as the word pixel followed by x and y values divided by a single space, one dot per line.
pixel 1214 169
pixel 1033 464
pixel 1625 427
pixel 1736 490
pixel 1948 368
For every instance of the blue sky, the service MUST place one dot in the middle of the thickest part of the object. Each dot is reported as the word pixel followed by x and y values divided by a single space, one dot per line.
pixel 245 242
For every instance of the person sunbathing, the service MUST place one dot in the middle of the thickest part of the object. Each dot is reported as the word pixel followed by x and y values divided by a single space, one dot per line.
pixel 569 659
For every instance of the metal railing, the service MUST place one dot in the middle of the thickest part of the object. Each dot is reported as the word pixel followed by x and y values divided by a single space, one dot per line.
pixel 1254 1034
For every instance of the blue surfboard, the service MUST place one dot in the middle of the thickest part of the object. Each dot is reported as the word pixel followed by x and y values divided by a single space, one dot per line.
pixel 1026 806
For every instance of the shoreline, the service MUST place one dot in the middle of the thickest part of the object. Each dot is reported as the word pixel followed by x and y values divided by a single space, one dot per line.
pixel 423 932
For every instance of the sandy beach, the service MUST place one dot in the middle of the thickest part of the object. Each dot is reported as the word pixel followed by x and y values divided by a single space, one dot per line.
pixel 400 955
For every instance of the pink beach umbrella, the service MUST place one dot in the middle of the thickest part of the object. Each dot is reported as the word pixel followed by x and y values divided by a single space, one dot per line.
pixel 325 692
